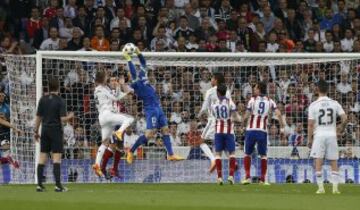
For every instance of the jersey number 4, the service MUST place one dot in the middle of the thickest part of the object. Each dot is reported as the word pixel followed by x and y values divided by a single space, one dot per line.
pixel 328 112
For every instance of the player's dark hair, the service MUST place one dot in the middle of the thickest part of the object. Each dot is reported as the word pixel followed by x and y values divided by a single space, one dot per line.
pixel 221 89
pixel 322 86
pixel 100 76
pixel 219 78
pixel 262 87
pixel 54 84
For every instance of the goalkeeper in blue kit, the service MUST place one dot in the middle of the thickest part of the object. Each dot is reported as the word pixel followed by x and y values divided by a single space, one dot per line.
pixel 154 115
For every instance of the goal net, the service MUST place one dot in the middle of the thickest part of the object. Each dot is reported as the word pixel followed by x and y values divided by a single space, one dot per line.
pixel 181 80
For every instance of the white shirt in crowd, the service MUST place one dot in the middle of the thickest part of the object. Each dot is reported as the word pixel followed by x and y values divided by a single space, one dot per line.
pixel 343 88
pixel 183 128
pixel 272 47
pixel 69 136
pixel 175 140
pixel 347 44
pixel 328 46
pixel 181 3
pixel 129 140
pixel 50 44
pixel 140 126
pixel 175 117
pixel 115 23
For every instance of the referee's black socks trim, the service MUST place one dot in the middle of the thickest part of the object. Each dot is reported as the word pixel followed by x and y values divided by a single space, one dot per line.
pixel 40 172
pixel 56 171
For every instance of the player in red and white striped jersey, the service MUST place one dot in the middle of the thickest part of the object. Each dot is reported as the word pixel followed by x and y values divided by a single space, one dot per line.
pixel 259 109
pixel 224 112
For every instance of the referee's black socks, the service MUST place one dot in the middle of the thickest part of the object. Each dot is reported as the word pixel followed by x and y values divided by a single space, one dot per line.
pixel 57 174
pixel 40 172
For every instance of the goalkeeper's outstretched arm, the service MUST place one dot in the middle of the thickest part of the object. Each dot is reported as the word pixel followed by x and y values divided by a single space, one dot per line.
pixel 141 58
pixel 131 65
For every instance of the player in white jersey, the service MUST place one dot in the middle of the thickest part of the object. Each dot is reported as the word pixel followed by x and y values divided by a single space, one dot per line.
pixel 224 113
pixel 115 146
pixel 257 113
pixel 108 116
pixel 209 130
pixel 322 128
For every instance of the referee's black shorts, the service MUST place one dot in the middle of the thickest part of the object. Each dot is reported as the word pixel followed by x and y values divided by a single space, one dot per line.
pixel 51 140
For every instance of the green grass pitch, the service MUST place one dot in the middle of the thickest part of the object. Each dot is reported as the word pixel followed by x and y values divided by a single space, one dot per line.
pixel 179 196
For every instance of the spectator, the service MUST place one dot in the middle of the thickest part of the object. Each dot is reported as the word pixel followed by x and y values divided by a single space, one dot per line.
pixel 274 136
pixel 310 42
pixel 86 43
pixel 70 9
pixel 194 140
pixel 50 11
pixel 59 20
pixel 76 42
pixel 222 46
pixel 161 36
pixel 281 12
pixel 193 20
pixel 82 20
pixel 114 45
pixel 34 23
pixel 174 137
pixel 293 25
pixel 9 46
pixel 183 30
pixel 41 34
pixel 344 86
pixel 192 43
pixel 129 138
pixel 272 45
pixel 268 19
pixel 205 30
pixel 51 43
pixel 348 41
pixel 99 42
pixel 328 45
pixel 329 20
pixel 223 12
pixel 67 31
pixel 245 34
pixel 231 23
pixel 120 15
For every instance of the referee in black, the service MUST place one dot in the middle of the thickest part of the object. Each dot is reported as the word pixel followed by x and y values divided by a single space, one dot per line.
pixel 51 113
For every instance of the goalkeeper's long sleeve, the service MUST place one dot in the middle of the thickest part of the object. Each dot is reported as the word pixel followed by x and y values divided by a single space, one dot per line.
pixel 132 69
pixel 142 60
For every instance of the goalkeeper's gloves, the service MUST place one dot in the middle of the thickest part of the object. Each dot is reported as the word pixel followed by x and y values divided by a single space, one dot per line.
pixel 126 56
pixel 137 51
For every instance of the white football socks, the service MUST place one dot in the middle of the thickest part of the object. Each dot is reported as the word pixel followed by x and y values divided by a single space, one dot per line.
pixel 206 149
pixel 335 178
pixel 320 180
pixel 100 154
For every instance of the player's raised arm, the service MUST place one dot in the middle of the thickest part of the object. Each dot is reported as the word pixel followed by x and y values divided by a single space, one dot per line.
pixel 131 65
pixel 141 58
pixel 343 118
pixel 205 105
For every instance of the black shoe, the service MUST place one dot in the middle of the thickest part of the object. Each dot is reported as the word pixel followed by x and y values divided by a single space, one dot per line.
pixel 40 188
pixel 61 189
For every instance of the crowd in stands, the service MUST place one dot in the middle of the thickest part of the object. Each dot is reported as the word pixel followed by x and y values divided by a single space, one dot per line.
pixel 196 26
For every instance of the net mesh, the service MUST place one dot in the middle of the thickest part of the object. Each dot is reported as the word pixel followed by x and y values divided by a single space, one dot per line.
pixel 181 83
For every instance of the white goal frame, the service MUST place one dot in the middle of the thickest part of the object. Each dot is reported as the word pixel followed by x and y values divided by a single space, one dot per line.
pixel 310 57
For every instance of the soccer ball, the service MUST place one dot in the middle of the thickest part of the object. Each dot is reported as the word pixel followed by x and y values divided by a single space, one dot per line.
pixel 129 48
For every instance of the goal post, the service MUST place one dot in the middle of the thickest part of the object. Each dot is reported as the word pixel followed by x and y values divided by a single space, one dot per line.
pixel 181 80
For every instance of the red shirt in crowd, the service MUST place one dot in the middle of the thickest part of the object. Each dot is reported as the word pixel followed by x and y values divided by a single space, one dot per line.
pixel 32 26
